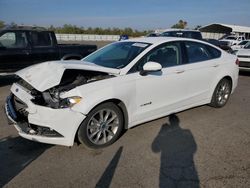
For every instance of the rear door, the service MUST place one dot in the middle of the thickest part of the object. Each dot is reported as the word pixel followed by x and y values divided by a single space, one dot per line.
pixel 14 51
pixel 200 69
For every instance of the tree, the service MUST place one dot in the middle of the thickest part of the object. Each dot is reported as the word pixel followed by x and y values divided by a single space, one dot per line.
pixel 2 24
pixel 73 29
pixel 180 25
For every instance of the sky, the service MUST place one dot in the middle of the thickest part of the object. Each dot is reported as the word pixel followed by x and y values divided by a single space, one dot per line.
pixel 137 14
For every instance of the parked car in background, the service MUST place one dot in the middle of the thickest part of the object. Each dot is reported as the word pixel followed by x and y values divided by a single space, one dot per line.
pixel 213 41
pixel 233 40
pixel 240 45
pixel 194 34
pixel 123 37
pixel 117 87
pixel 244 57
pixel 153 35
pixel 23 46
pixel 226 45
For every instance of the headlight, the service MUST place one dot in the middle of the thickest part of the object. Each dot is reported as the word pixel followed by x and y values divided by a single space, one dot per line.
pixel 69 102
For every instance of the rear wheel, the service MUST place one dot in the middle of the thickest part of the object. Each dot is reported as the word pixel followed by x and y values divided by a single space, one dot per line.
pixel 102 126
pixel 221 93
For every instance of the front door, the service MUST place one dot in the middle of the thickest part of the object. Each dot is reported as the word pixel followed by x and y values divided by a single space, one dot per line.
pixel 159 93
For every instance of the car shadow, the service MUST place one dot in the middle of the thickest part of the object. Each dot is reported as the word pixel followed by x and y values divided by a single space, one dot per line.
pixel 177 147
pixel 7 80
pixel 108 174
pixel 16 154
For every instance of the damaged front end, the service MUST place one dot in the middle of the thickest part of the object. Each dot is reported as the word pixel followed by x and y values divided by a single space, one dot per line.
pixel 70 80
pixel 41 115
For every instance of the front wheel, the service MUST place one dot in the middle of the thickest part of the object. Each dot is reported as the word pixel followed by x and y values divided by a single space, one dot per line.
pixel 102 126
pixel 221 93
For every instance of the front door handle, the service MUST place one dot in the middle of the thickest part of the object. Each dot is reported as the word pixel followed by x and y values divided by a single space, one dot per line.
pixel 216 65
pixel 179 71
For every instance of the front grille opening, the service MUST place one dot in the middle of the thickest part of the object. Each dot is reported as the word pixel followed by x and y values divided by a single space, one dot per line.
pixel 38 98
pixel 37 130
pixel 43 131
pixel 20 108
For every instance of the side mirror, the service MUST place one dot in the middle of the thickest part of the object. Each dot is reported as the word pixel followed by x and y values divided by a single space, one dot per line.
pixel 151 67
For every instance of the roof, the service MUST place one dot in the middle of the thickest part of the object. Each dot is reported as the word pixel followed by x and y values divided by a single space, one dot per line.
pixel 152 40
pixel 159 40
pixel 174 29
pixel 224 28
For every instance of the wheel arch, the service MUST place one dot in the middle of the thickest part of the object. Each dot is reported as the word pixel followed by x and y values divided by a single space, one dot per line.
pixel 214 102
pixel 120 104
pixel 229 78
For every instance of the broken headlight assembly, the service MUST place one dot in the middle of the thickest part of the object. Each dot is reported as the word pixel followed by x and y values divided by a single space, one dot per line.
pixel 52 99
pixel 69 102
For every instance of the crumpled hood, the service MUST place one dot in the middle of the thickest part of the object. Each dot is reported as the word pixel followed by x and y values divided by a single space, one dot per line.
pixel 242 51
pixel 48 74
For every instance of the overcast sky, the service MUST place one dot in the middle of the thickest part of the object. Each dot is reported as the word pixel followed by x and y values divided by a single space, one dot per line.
pixel 138 14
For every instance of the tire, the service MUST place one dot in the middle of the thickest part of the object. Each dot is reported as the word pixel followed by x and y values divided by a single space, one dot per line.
pixel 221 93
pixel 102 126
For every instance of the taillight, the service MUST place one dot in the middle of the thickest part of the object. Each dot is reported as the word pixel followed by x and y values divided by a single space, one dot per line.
pixel 237 62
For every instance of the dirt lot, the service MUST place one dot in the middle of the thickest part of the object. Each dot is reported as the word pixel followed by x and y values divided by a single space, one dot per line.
pixel 214 145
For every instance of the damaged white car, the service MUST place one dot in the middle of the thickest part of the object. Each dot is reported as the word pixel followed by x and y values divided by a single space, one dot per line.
pixel 117 87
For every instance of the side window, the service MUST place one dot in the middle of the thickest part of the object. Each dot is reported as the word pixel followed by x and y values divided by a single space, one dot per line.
pixel 197 52
pixel 13 40
pixel 40 39
pixel 213 51
pixel 167 55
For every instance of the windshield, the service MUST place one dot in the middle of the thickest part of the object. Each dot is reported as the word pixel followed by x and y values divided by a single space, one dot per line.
pixel 117 55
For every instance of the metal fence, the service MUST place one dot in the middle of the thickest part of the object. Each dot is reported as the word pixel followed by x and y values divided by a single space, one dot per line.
pixel 85 37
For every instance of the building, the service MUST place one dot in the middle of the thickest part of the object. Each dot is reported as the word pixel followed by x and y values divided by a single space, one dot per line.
pixel 217 30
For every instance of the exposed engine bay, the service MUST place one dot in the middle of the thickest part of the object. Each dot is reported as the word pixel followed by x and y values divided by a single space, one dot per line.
pixel 71 78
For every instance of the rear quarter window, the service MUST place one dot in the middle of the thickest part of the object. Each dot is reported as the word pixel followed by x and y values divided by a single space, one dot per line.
pixel 215 53
pixel 197 52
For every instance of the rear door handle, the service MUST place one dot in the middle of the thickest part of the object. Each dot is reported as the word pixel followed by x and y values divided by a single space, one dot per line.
pixel 216 65
pixel 179 71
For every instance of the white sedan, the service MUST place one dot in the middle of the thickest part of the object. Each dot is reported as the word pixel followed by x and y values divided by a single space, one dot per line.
pixel 240 45
pixel 244 57
pixel 117 87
